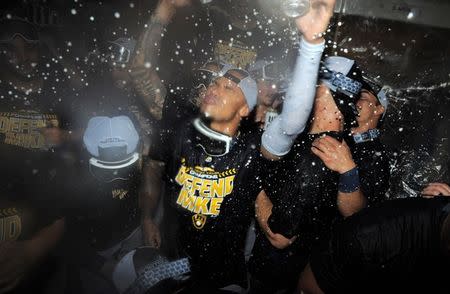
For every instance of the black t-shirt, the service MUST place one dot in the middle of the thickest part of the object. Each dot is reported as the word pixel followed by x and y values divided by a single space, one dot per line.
pixel 391 247
pixel 373 166
pixel 303 192
pixel 28 164
pixel 101 213
pixel 105 213
pixel 213 199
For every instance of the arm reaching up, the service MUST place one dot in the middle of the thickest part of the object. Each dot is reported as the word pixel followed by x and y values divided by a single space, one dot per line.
pixel 279 137
pixel 143 72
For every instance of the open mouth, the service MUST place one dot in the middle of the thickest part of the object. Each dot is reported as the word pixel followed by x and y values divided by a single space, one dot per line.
pixel 209 99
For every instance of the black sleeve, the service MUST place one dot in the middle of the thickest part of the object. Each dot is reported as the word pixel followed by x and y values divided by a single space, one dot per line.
pixel 166 143
pixel 374 176
pixel 256 176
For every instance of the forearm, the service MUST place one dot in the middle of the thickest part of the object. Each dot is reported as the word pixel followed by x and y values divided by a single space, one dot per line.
pixel 350 203
pixel 263 209
pixel 147 83
pixel 151 188
pixel 280 135
pixel 149 43
pixel 350 197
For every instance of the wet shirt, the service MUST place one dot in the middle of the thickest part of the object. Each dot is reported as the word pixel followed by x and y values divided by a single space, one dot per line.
pixel 102 213
pixel 214 199
pixel 303 192
pixel 28 163
pixel 373 166
pixel 394 246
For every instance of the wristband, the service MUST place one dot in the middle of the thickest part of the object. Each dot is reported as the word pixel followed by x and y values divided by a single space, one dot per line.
pixel 349 181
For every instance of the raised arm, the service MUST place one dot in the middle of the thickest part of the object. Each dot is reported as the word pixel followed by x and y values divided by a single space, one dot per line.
pixel 280 135
pixel 146 81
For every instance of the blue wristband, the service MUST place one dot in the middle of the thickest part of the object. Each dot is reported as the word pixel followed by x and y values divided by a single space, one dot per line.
pixel 349 181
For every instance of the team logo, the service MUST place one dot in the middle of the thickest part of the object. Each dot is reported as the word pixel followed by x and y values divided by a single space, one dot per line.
pixel 23 128
pixel 119 194
pixel 203 190
pixel 199 221
pixel 10 224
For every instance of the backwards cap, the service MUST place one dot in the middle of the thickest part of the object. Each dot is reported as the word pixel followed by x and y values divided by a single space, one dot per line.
pixel 247 85
pixel 378 90
pixel 344 79
pixel 111 141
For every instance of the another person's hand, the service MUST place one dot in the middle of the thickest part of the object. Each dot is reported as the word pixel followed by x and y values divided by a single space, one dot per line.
pixel 277 240
pixel 436 189
pixel 54 136
pixel 335 155
pixel 17 258
pixel 260 114
pixel 152 236
pixel 315 22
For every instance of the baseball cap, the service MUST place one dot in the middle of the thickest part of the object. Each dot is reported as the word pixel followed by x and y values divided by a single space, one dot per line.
pixel 378 90
pixel 246 83
pixel 204 75
pixel 111 142
pixel 344 79
pixel 341 74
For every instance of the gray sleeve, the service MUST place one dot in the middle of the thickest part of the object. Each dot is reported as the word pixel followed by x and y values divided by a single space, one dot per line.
pixel 281 133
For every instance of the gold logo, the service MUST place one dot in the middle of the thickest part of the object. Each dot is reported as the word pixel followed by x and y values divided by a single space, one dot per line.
pixel 10 224
pixel 199 221
pixel 119 194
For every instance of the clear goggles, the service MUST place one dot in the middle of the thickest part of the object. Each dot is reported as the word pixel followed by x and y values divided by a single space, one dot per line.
pixel 109 171
pixel 119 54
pixel 213 143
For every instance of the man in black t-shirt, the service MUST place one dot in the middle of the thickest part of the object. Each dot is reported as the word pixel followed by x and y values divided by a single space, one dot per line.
pixel 212 179
pixel 301 196
pixel 368 152
pixel 398 246
pixel 212 173
pixel 31 103
pixel 102 205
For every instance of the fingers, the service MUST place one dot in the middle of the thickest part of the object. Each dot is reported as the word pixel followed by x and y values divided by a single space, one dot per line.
pixel 153 241
pixel 321 154
pixel 281 242
pixel 442 187
pixel 292 240
pixel 435 189
pixel 326 144
pixel 157 240
pixel 269 233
